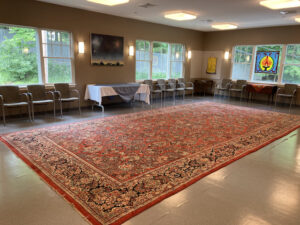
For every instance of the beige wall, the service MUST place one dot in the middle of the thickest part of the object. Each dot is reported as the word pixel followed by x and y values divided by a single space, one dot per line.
pixel 81 23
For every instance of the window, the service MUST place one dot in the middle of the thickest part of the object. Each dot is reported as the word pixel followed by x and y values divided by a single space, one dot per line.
pixel 291 69
pixel 142 60
pixel 159 60
pixel 288 71
pixel 20 59
pixel 177 60
pixel 57 56
pixel 242 62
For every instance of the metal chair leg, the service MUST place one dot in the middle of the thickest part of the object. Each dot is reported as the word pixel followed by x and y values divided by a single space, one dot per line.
pixel 54 109
pixel 79 107
pixel 28 108
pixel 276 101
pixel 291 104
pixel 60 104
pixel 3 115
pixel 32 111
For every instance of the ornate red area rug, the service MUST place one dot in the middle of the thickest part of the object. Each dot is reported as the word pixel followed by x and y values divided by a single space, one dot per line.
pixel 114 168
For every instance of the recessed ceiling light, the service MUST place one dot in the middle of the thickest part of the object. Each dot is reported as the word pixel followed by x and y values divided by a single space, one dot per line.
pixel 109 2
pixel 297 19
pixel 180 15
pixel 224 26
pixel 280 4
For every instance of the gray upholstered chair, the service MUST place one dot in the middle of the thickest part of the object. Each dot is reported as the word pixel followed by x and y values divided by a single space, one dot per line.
pixel 154 90
pixel 238 87
pixel 39 96
pixel 167 88
pixel 66 94
pixel 10 97
pixel 179 87
pixel 188 86
pixel 223 87
pixel 288 91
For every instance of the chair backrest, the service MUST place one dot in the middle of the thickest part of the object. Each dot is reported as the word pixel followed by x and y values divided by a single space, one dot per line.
pixel 225 83
pixel 290 88
pixel 10 93
pixel 180 80
pixel 240 83
pixel 149 83
pixel 161 82
pixel 38 91
pixel 63 88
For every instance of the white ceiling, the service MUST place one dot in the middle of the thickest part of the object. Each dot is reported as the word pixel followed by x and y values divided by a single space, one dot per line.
pixel 244 13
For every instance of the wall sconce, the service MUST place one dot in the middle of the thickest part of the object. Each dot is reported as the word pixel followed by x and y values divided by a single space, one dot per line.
pixel 81 47
pixel 131 50
pixel 226 55
pixel 189 55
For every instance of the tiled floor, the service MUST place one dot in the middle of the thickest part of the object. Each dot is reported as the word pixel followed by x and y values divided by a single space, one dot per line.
pixel 262 188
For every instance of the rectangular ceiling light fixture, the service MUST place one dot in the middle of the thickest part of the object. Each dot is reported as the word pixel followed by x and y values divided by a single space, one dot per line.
pixel 180 16
pixel 109 2
pixel 280 4
pixel 224 26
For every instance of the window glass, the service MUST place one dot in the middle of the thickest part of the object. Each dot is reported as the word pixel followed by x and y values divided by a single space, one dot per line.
pixel 57 53
pixel 242 62
pixel 291 69
pixel 19 55
pixel 160 60
pixel 268 77
pixel 177 60
pixel 142 71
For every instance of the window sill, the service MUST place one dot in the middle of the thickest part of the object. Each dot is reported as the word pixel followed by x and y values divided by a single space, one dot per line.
pixel 48 86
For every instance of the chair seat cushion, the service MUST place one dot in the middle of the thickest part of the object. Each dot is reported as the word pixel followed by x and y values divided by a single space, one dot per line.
pixel 72 99
pixel 157 91
pixel 235 89
pixel 180 89
pixel 285 95
pixel 171 90
pixel 189 88
pixel 14 104
pixel 42 101
pixel 222 89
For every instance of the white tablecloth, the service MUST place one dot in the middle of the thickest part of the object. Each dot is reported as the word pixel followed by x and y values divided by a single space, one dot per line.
pixel 96 92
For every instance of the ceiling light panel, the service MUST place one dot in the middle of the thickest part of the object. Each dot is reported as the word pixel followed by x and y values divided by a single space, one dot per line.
pixel 180 16
pixel 280 4
pixel 109 2
pixel 224 26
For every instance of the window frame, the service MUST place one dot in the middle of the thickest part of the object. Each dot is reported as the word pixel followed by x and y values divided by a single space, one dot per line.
pixel 282 63
pixel 40 55
pixel 169 60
